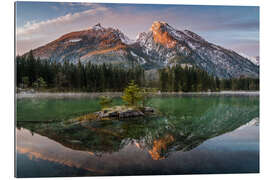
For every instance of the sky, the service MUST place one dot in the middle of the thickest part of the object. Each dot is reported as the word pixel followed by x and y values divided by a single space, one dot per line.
pixel 233 27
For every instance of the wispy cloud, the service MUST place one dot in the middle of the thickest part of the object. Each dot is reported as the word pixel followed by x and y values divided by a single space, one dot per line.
pixel 78 4
pixel 31 28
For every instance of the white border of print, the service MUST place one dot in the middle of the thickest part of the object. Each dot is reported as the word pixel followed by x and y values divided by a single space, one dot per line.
pixel 7 88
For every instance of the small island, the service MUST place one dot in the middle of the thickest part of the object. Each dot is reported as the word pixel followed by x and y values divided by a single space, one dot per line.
pixel 135 100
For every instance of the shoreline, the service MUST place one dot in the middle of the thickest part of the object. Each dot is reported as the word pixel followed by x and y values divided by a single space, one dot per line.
pixel 60 95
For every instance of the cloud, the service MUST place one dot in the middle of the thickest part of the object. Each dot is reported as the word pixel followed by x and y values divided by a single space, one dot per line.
pixel 32 27
pixel 72 4
pixel 80 4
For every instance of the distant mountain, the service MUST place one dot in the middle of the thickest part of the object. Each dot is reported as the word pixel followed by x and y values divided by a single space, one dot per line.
pixel 254 60
pixel 164 45
pixel 96 44
pixel 161 46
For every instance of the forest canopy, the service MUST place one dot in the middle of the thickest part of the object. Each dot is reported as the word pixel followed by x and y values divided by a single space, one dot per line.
pixel 66 76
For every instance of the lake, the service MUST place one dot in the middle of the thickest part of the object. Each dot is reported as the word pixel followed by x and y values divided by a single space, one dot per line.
pixel 191 135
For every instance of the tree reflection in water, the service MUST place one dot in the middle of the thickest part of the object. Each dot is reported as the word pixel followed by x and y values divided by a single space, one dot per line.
pixel 185 124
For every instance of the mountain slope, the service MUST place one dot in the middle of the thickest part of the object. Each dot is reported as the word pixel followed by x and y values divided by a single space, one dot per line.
pixel 167 46
pixel 161 46
pixel 96 44
pixel 254 60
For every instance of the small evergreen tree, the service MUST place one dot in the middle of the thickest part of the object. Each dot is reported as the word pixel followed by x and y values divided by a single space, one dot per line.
pixel 132 94
pixel 40 83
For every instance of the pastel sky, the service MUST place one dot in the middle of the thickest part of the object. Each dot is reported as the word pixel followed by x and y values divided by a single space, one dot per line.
pixel 233 27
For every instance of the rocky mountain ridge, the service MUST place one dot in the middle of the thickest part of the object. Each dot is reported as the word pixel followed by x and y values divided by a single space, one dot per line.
pixel 161 46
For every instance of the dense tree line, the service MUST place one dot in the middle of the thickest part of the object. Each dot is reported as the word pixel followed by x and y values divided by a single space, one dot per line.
pixel 50 75
pixel 176 78
pixel 240 84
pixel 192 79
pixel 67 76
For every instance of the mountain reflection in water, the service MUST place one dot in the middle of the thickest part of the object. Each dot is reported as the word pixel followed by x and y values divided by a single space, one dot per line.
pixel 186 123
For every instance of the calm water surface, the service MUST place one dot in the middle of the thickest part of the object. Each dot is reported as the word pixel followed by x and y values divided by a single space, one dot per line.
pixel 207 134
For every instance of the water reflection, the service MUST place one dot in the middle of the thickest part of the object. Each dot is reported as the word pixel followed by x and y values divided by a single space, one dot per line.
pixel 153 145
pixel 185 124
pixel 40 149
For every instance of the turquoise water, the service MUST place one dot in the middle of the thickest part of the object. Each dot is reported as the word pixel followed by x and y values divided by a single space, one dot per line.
pixel 191 135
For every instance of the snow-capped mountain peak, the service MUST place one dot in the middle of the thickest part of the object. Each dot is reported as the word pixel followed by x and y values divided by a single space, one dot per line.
pixel 125 39
pixel 97 27
pixel 163 45
pixel 254 60
pixel 168 45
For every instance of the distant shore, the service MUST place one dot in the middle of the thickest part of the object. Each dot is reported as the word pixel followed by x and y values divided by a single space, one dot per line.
pixel 119 94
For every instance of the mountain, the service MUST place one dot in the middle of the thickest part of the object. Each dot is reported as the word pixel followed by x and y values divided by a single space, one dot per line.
pixel 165 45
pixel 96 44
pixel 254 60
pixel 161 46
